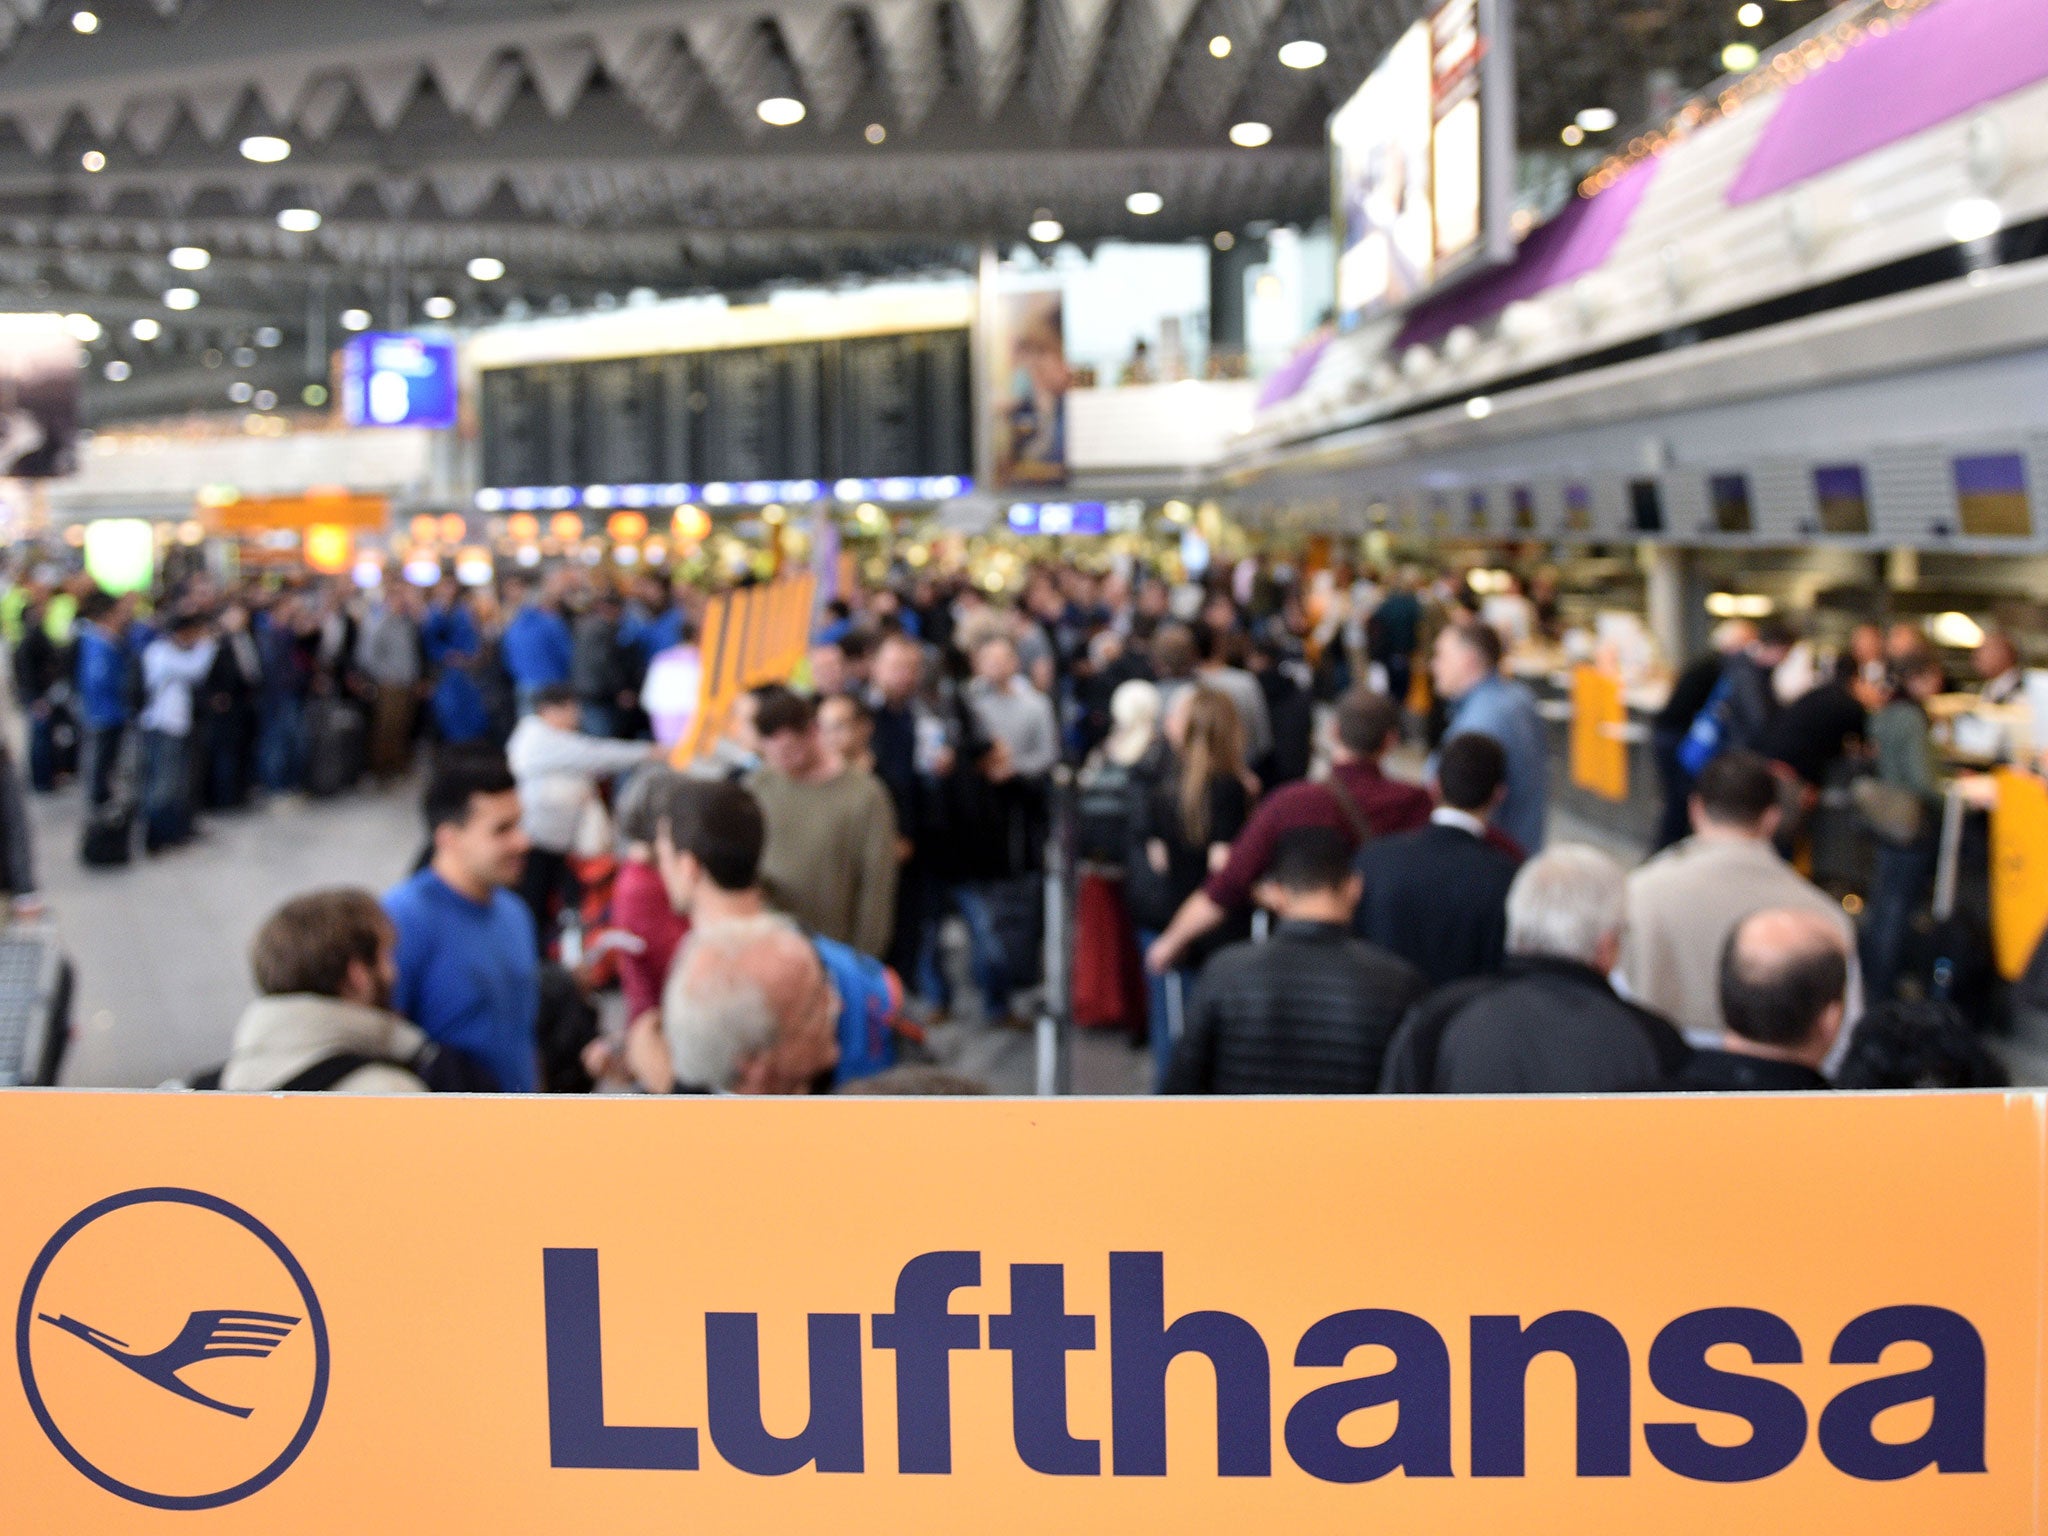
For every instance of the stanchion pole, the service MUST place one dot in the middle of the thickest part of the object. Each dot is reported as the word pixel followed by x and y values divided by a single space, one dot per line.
pixel 1054 1030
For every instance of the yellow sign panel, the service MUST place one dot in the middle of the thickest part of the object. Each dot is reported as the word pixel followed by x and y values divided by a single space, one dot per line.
pixel 254 1314
pixel 1599 751
pixel 2019 870
pixel 747 637
pixel 262 514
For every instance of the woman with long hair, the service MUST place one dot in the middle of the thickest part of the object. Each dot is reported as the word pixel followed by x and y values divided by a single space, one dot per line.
pixel 1183 818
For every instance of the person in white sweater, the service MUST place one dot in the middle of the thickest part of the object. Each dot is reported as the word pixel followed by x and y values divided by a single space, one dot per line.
pixel 558 769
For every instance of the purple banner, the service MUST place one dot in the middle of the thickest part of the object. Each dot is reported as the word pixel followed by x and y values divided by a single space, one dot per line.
pixel 1950 58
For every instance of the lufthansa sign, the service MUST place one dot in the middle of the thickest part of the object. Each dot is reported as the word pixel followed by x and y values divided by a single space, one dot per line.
pixel 524 1316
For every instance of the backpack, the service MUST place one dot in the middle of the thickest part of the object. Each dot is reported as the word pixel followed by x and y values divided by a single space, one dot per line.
pixel 442 1068
pixel 870 1007
pixel 1707 737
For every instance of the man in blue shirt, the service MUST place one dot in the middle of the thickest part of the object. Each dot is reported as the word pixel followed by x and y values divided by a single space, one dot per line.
pixel 102 683
pixel 538 648
pixel 467 972
pixel 1465 668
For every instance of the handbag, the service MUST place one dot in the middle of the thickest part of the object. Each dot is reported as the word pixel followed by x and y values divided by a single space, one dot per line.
pixel 1896 815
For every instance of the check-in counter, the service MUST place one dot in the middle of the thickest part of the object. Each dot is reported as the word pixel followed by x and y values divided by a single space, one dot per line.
pixel 1602 771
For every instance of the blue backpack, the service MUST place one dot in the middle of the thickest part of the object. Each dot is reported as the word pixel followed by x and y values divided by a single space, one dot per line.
pixel 870 1000
pixel 1707 737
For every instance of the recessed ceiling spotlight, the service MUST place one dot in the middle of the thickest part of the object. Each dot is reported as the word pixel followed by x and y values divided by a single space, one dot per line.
pixel 189 258
pixel 265 148
pixel 269 336
pixel 1303 53
pixel 298 221
pixel 1573 135
pixel 780 111
pixel 875 133
pixel 266 400
pixel 314 394
pixel 1225 240
pixel 241 392
pixel 85 22
pixel 93 161
pixel 1597 119
pixel 181 298
pixel 83 328
pixel 1479 407
pixel 1046 229
pixel 118 370
pixel 146 329
pixel 486 269
pixel 1219 47
pixel 1750 15
pixel 1144 204
pixel 1739 58
pixel 439 307
pixel 355 319
pixel 1251 135
pixel 1973 218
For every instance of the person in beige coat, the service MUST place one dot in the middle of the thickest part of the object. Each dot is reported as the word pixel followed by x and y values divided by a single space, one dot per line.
pixel 324 964
pixel 1683 904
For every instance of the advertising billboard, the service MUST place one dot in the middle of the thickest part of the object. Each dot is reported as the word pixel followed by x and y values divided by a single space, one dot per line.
pixel 396 379
pixel 1031 379
pixel 1422 160
pixel 39 360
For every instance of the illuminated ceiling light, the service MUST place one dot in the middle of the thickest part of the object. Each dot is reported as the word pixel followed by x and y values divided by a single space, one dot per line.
pixel 314 394
pixel 241 392
pixel 1479 407
pixel 1597 119
pixel 780 111
pixel 1250 135
pixel 486 269
pixel 1973 218
pixel 181 298
pixel 1958 631
pixel 1573 135
pixel 1225 240
pixel 266 399
pixel 439 307
pixel 146 329
pixel 1144 204
pixel 269 336
pixel 1303 53
pixel 875 133
pixel 355 319
pixel 118 371
pixel 93 161
pixel 1750 15
pixel 298 221
pixel 83 328
pixel 1219 47
pixel 1046 229
pixel 1739 58
pixel 189 258
pixel 85 22
pixel 265 148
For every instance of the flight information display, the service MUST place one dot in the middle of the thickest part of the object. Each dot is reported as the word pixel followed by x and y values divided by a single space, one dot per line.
pixel 1422 160
pixel 870 407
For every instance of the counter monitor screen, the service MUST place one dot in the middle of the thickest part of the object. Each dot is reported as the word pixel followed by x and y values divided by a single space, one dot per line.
pixel 1523 500
pixel 1844 498
pixel 1422 160
pixel 1578 509
pixel 1729 497
pixel 1646 505
pixel 1991 496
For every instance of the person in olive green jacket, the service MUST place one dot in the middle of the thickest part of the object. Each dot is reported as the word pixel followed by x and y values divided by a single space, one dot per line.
pixel 1904 872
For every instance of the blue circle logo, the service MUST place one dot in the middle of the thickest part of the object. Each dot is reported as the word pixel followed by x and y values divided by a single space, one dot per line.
pixel 172 1349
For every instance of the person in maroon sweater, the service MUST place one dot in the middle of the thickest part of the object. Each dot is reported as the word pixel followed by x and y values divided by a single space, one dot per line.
pixel 1357 800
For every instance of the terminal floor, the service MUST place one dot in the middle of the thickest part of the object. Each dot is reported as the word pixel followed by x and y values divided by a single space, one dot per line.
pixel 161 947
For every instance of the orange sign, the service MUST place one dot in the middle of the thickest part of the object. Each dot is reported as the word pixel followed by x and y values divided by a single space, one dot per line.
pixel 747 637
pixel 262 514
pixel 2019 870
pixel 1599 750
pixel 254 1314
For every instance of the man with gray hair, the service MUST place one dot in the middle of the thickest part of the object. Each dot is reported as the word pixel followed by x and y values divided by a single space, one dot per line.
pixel 748 1009
pixel 1549 1022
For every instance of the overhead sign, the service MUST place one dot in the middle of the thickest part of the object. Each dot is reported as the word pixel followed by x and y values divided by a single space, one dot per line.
pixel 1407 1316
pixel 746 637
pixel 395 379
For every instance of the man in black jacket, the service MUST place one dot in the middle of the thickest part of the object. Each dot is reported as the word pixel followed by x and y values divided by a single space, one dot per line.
pixel 1437 896
pixel 1310 1010
pixel 1784 985
pixel 1549 1023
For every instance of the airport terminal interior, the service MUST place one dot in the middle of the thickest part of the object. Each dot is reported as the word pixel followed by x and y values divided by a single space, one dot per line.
pixel 1061 478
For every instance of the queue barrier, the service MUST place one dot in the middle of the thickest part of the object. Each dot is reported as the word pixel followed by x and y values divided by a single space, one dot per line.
pixel 326 1314
pixel 745 638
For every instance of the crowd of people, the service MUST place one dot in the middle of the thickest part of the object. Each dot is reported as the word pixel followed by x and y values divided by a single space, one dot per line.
pixel 1311 824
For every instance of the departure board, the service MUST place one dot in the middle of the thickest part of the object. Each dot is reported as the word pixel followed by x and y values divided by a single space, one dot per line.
pixel 868 407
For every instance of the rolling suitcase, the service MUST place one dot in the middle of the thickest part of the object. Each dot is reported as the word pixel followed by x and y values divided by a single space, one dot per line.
pixel 335 747
pixel 109 836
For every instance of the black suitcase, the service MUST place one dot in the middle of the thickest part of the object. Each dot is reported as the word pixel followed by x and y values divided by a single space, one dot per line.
pixel 109 836
pixel 335 747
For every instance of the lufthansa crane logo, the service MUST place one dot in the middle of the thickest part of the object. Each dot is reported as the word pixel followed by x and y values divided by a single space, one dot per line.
pixel 172 1349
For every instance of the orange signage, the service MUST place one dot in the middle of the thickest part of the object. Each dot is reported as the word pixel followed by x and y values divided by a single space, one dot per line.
pixel 1599 750
pixel 747 637
pixel 263 514
pixel 2019 870
pixel 258 1313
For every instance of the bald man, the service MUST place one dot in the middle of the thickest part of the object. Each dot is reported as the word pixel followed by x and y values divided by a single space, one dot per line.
pixel 1784 990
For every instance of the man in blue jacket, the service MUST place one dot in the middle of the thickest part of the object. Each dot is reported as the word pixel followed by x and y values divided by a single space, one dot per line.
pixel 1465 667
pixel 538 648
pixel 467 972
pixel 102 682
